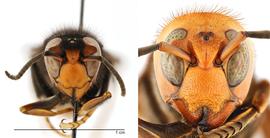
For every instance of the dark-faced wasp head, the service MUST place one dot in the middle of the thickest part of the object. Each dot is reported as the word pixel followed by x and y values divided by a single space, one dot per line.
pixel 70 68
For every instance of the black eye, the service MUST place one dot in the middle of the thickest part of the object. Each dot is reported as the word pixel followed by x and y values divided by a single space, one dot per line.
pixel 238 64
pixel 177 34
pixel 172 68
pixel 230 34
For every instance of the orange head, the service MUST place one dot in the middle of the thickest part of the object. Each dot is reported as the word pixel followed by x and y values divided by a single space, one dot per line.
pixel 205 90
pixel 64 60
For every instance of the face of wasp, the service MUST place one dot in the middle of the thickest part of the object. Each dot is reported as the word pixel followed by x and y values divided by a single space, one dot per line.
pixel 205 91
pixel 65 62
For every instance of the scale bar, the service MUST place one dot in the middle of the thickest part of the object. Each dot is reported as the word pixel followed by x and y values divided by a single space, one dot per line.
pixel 46 129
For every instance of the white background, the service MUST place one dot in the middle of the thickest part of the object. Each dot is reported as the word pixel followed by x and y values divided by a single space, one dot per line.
pixel 26 23
pixel 122 26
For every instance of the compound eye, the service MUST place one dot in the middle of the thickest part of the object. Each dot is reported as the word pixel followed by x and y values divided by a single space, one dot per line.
pixel 230 34
pixel 91 46
pixel 238 66
pixel 177 34
pixel 172 68
pixel 53 63
pixel 53 43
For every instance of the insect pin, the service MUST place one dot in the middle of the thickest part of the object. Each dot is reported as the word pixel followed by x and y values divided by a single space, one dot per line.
pixel 197 82
pixel 71 68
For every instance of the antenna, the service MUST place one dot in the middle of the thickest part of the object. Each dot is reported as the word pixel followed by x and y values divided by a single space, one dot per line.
pixel 81 16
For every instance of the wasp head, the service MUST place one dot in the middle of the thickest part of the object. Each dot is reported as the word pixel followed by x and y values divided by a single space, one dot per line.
pixel 208 88
pixel 64 60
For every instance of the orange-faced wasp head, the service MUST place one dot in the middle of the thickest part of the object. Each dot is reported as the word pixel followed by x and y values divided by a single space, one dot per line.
pixel 207 89
pixel 204 66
